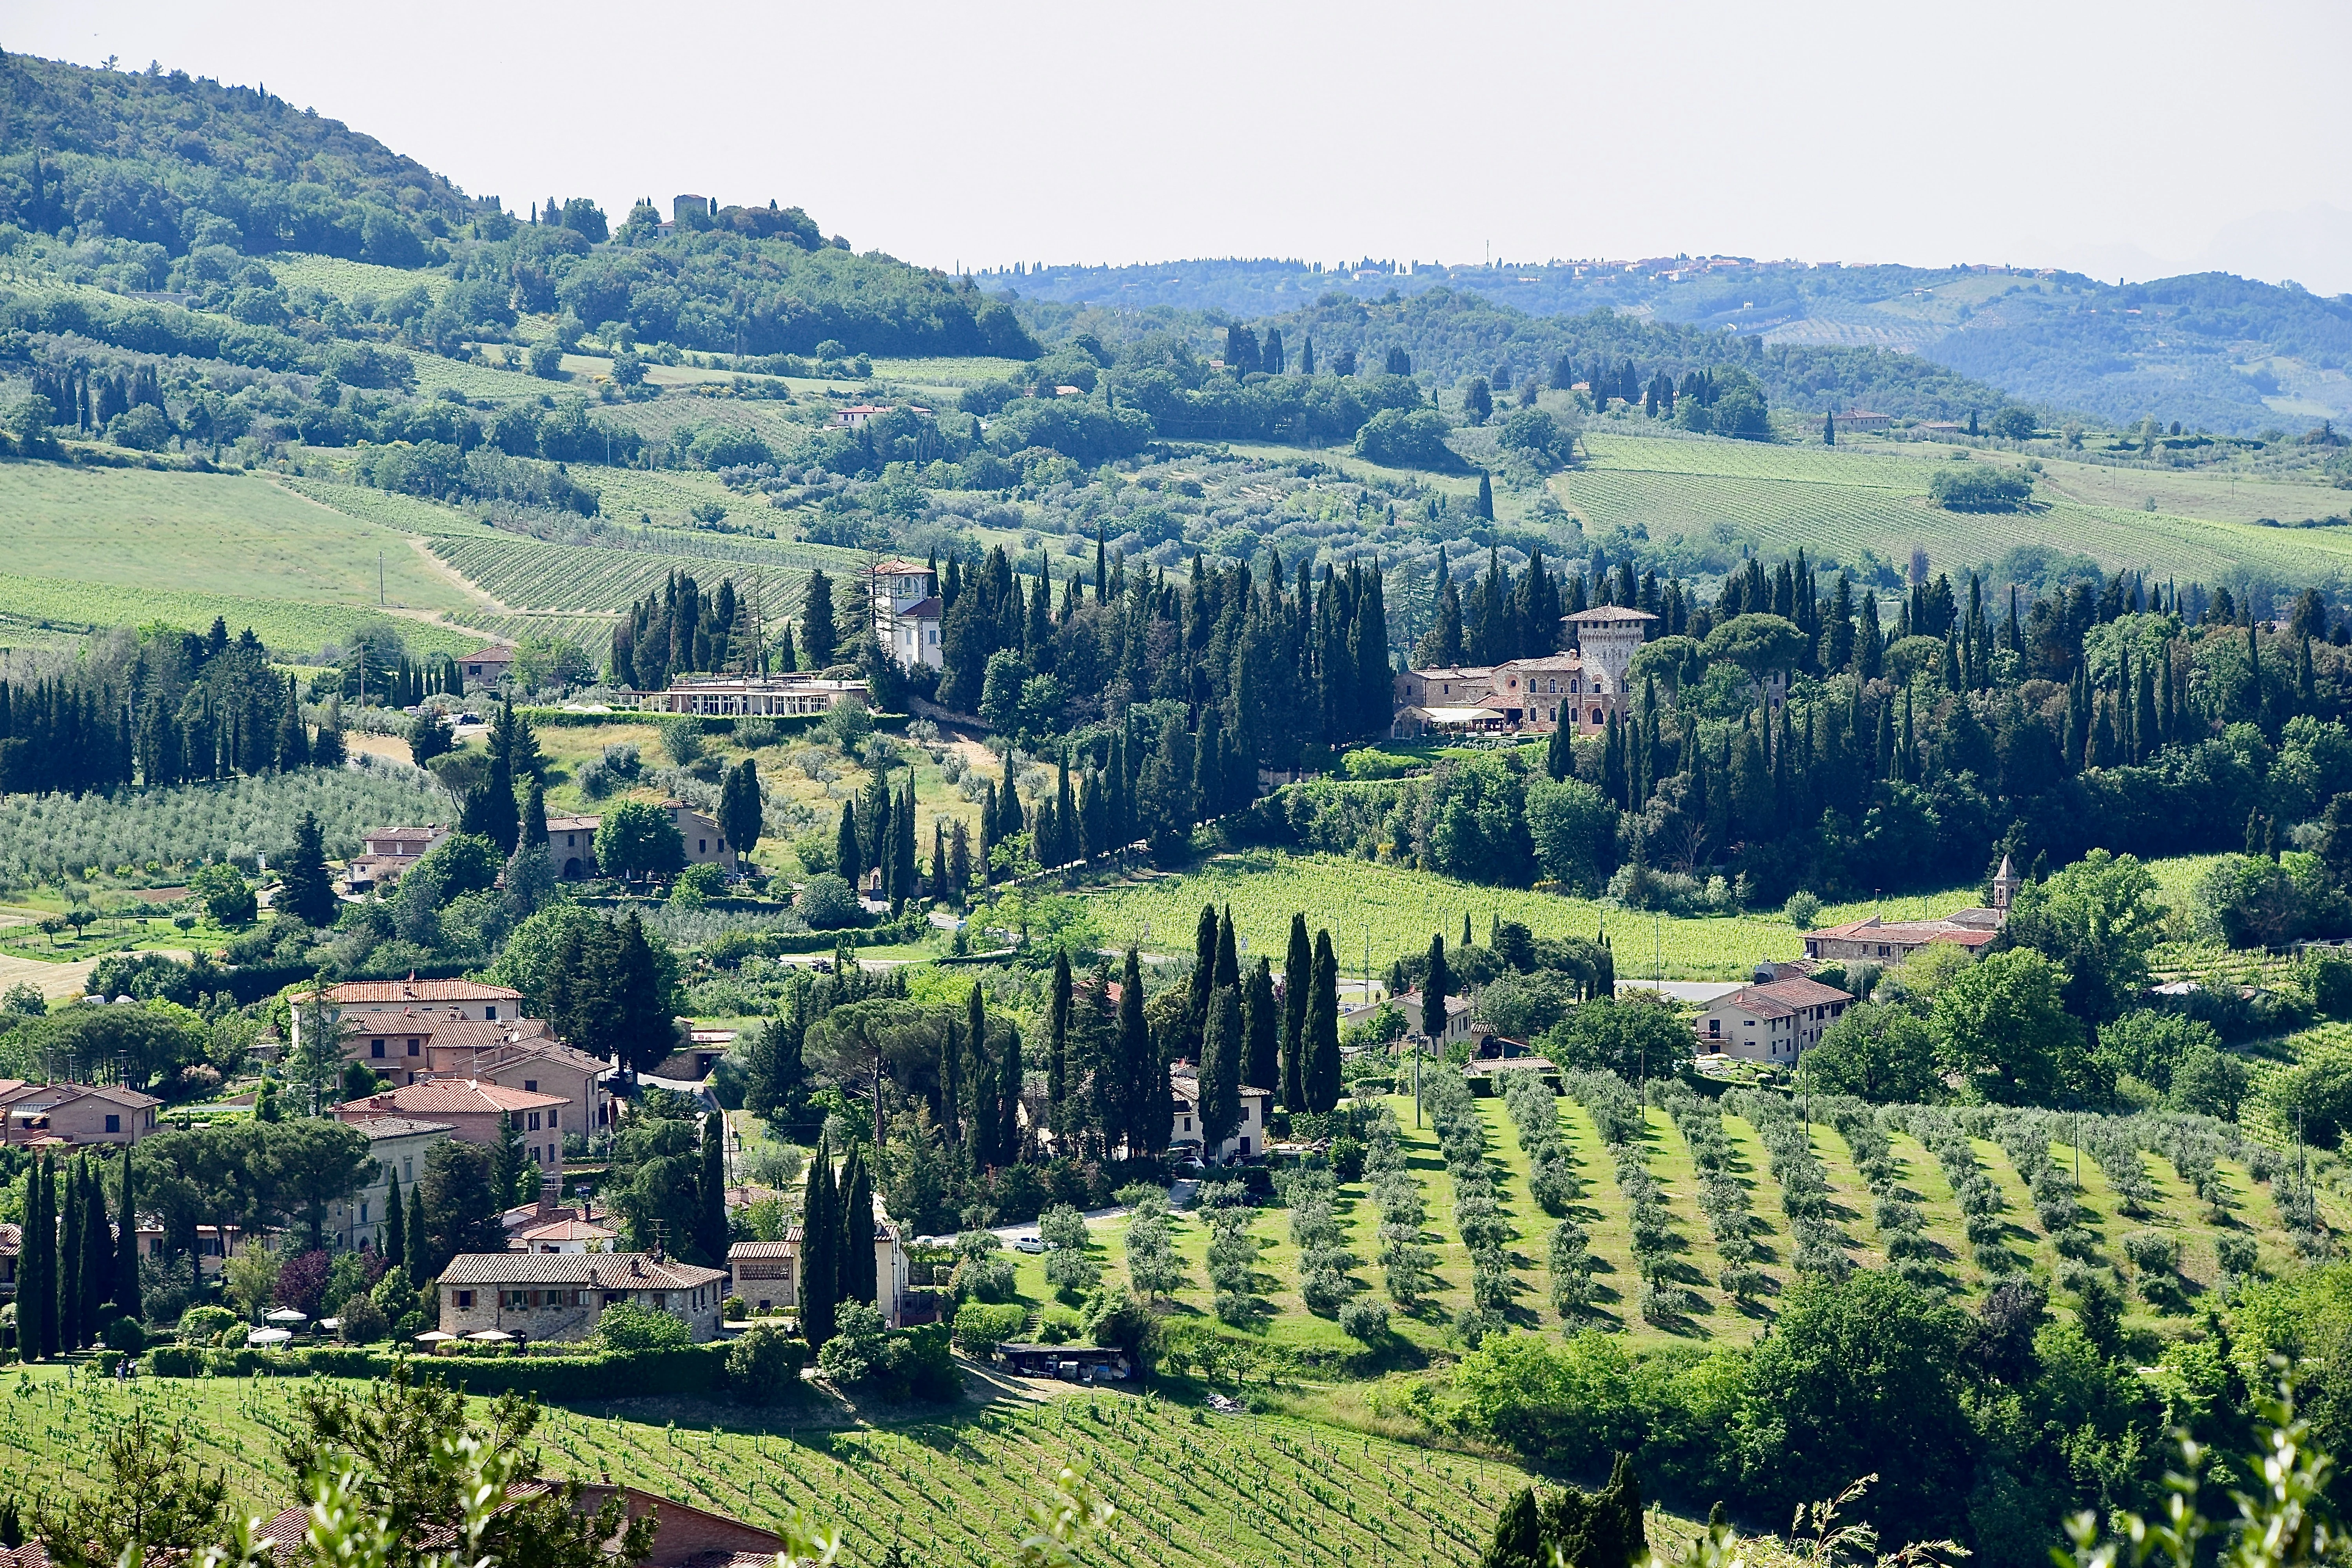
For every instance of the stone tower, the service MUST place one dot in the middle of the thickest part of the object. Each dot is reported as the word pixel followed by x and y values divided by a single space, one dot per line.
pixel 1607 635
pixel 2005 883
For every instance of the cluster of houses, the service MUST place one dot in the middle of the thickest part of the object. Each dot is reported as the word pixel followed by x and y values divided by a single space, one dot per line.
pixel 461 1061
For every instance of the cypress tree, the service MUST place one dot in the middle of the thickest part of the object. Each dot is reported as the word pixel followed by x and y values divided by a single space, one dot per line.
pixel 847 857
pixel 37 1278
pixel 859 1277
pixel 820 1249
pixel 70 1256
pixel 1057 1043
pixel 711 1194
pixel 421 1262
pixel 909 884
pixel 1138 1063
pixel 1009 1078
pixel 939 888
pixel 1218 1080
pixel 97 1270
pixel 1204 980
pixel 126 1244
pixel 1828 428
pixel 983 1088
pixel 952 1084
pixel 395 1226
pixel 1436 986
pixel 1298 980
pixel 1323 1029
pixel 1486 498
pixel 1261 1028
pixel 306 892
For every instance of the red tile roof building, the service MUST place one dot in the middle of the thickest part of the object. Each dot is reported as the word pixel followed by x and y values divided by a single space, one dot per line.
pixel 1775 1022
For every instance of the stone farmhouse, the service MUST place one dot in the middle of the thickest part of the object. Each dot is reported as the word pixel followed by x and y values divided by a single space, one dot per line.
pixel 767 1272
pixel 559 1295
pixel 571 841
pixel 1889 943
pixel 389 852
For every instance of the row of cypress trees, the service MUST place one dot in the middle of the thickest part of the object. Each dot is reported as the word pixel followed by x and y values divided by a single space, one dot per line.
pixel 836 1258
pixel 75 1271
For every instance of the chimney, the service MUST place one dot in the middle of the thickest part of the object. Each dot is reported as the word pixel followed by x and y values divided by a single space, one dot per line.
pixel 548 1187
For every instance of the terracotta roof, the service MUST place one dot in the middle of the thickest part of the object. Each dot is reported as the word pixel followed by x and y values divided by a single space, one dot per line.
pixel 1457 672
pixel 563 1230
pixel 1561 661
pixel 922 610
pixel 1602 614
pixel 375 1127
pixel 18 1092
pixel 447 1097
pixel 358 991
pixel 488 655
pixel 573 824
pixel 595 1271
pixel 405 834
pixel 763 1249
pixel 1782 998
pixel 899 568
pixel 12 1241
pixel 1965 935
pixel 739 1545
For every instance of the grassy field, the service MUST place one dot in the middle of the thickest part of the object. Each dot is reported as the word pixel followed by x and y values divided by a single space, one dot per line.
pixel 1866 501
pixel 1398 909
pixel 1255 1492
pixel 110 546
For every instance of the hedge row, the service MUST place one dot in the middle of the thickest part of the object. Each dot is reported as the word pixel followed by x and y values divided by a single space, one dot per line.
pixel 560 1379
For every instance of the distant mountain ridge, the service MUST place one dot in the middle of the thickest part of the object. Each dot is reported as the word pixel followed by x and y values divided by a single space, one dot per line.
pixel 2207 349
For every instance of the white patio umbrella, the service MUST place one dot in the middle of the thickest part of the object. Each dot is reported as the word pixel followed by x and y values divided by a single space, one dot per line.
pixel 434 1337
pixel 287 1315
pixel 268 1336
pixel 490 1336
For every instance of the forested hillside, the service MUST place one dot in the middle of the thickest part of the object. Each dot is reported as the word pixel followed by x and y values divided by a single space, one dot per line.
pixel 164 159
pixel 160 182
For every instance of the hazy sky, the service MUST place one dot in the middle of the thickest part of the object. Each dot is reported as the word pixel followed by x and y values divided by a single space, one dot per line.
pixel 2117 139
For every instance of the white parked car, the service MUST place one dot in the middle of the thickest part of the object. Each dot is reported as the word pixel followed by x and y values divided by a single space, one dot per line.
pixel 1028 1244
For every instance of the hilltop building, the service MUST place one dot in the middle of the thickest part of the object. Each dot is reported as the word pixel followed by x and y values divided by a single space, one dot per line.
pixel 1577 690
pixel 907 612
